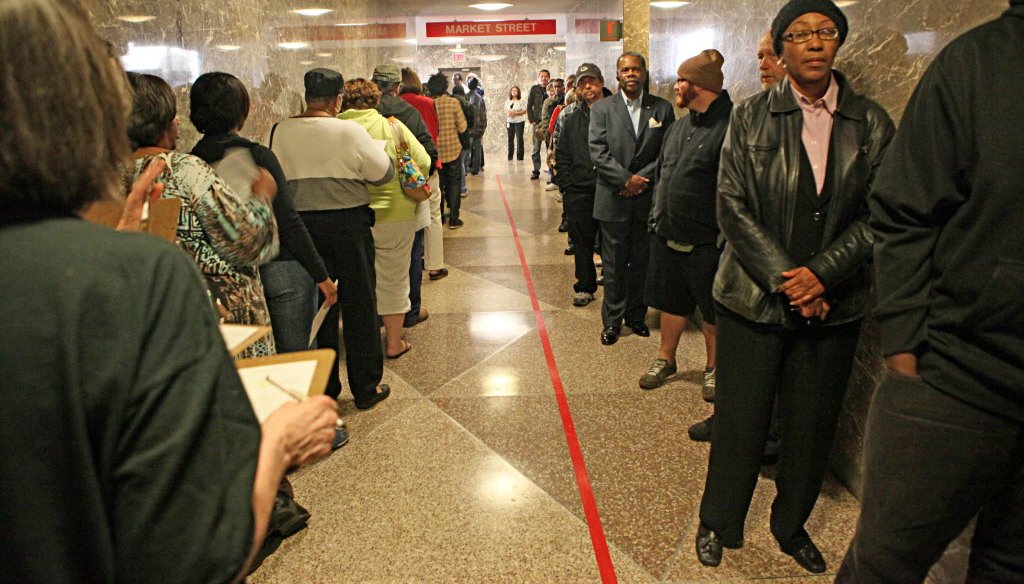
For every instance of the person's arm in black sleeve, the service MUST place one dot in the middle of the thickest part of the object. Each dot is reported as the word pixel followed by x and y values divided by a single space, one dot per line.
pixel 651 167
pixel 533 106
pixel 922 180
pixel 564 155
pixel 761 254
pixel 292 231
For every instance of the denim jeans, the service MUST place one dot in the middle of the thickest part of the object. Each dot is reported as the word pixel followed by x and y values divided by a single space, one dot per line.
pixel 464 159
pixel 292 299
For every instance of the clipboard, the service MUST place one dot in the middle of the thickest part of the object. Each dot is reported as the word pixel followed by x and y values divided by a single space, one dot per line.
pixel 162 221
pixel 239 337
pixel 271 382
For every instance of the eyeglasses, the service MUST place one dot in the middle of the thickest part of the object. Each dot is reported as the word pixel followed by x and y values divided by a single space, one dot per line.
pixel 802 36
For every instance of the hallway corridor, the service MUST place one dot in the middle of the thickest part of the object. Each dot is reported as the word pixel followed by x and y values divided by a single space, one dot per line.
pixel 465 475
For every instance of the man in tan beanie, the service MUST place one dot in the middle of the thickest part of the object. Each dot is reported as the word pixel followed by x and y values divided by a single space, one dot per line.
pixel 684 250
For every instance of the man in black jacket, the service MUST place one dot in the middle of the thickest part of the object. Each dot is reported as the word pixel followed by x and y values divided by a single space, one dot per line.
pixel 476 147
pixel 684 250
pixel 792 285
pixel 534 105
pixel 945 434
pixel 626 133
pixel 577 179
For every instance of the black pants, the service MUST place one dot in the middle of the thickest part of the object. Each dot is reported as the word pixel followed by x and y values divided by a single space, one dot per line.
pixel 344 241
pixel 625 252
pixel 808 367
pixel 515 139
pixel 476 157
pixel 451 187
pixel 415 280
pixel 931 463
pixel 583 228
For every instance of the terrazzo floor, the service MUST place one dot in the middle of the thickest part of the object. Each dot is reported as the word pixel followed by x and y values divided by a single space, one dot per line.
pixel 464 474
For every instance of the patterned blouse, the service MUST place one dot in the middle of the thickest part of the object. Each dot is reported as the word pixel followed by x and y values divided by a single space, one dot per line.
pixel 226 235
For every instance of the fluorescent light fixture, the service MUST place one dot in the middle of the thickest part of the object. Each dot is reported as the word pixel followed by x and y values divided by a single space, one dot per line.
pixel 457 49
pixel 490 6
pixel 163 60
pixel 491 58
pixel 305 62
pixel 229 47
pixel 404 60
pixel 325 54
pixel 560 48
pixel 136 18
pixel 312 11
pixel 668 4
pixel 352 24
pixel 411 41
pixel 845 3
pixel 451 40
pixel 293 45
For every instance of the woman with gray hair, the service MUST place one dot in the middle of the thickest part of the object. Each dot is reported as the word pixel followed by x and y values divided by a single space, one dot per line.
pixel 228 235
pixel 129 451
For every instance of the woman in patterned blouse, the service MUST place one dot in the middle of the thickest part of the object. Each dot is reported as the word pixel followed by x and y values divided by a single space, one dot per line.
pixel 228 235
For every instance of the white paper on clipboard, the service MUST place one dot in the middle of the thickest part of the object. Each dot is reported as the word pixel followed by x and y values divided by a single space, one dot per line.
pixel 265 397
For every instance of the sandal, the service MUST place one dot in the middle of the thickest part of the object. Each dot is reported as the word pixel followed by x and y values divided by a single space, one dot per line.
pixel 407 346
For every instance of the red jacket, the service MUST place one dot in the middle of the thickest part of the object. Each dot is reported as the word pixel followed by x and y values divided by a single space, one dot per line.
pixel 425 106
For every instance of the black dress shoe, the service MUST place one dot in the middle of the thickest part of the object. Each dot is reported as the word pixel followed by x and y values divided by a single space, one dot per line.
pixel 701 431
pixel 709 547
pixel 385 391
pixel 640 330
pixel 610 334
pixel 810 558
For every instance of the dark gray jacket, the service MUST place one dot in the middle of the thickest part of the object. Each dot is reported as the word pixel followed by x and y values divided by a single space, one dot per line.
pixel 619 152
pixel 757 192
pixel 391 105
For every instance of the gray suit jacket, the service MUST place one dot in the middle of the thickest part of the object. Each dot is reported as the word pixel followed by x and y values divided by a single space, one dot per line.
pixel 618 153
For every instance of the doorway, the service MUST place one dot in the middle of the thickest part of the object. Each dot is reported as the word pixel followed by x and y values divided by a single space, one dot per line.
pixel 464 73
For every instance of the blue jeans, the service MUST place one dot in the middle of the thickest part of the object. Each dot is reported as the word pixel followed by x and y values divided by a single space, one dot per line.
pixel 464 159
pixel 292 299
pixel 415 279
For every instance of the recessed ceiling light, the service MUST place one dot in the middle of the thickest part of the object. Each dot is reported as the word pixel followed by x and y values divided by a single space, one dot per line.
pixel 412 41
pixel 293 46
pixel 325 54
pixel 845 3
pixel 561 48
pixel 305 62
pixel 491 58
pixel 229 47
pixel 668 4
pixel 490 6
pixel 404 60
pixel 312 11
pixel 136 18
pixel 352 24
pixel 451 39
pixel 457 49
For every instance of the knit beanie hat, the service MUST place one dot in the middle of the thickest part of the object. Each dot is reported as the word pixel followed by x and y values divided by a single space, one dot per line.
pixel 705 70
pixel 794 9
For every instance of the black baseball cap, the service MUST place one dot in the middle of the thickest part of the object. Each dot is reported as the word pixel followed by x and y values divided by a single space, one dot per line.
pixel 588 70
pixel 321 82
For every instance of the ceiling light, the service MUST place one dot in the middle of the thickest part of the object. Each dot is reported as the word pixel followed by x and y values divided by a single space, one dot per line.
pixel 561 48
pixel 491 58
pixel 845 3
pixel 457 49
pixel 352 24
pixel 490 6
pixel 136 18
pixel 668 4
pixel 293 46
pixel 404 60
pixel 312 11
pixel 450 39
pixel 305 62
pixel 229 47
pixel 325 54
pixel 411 41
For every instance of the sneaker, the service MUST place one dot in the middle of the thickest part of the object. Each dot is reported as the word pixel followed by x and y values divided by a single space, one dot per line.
pixel 340 438
pixel 582 298
pixel 551 187
pixel 455 224
pixel 701 431
pixel 658 374
pixel 708 390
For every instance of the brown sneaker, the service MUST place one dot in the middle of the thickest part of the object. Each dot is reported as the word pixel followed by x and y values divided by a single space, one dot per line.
pixel 661 370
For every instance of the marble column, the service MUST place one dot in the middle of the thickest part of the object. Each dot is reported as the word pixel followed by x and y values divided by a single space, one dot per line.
pixel 636 26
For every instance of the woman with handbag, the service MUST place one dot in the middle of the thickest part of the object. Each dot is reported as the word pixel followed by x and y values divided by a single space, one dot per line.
pixel 515 109
pixel 394 204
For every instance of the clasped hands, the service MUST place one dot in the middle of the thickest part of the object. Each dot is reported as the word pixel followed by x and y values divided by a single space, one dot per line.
pixel 635 186
pixel 804 290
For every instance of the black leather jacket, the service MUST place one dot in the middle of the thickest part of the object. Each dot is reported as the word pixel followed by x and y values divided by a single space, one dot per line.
pixel 757 193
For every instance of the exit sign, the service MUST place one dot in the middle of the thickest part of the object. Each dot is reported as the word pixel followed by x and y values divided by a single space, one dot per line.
pixel 458 57
pixel 611 30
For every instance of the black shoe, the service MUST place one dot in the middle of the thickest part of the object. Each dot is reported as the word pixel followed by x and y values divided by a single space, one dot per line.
pixel 610 335
pixel 340 438
pixel 600 281
pixel 563 227
pixel 701 431
pixel 437 274
pixel 455 224
pixel 287 517
pixel 640 329
pixel 385 391
pixel 535 176
pixel 709 547
pixel 771 452
pixel 810 558
pixel 570 251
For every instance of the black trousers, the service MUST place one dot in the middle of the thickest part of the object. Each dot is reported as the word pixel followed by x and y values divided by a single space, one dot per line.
pixel 451 187
pixel 625 252
pixel 808 367
pixel 583 228
pixel 344 241
pixel 515 139
pixel 931 463
pixel 476 157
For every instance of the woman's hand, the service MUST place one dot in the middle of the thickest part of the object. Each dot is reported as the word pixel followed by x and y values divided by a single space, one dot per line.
pixel 265 186
pixel 802 286
pixel 330 291
pixel 302 432
pixel 144 189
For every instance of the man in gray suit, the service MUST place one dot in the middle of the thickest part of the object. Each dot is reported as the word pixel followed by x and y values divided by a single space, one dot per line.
pixel 626 132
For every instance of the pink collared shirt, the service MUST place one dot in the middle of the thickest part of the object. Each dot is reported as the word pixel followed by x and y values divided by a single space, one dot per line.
pixel 817 131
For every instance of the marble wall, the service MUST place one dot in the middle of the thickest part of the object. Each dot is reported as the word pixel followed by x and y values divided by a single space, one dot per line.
pixel 889 46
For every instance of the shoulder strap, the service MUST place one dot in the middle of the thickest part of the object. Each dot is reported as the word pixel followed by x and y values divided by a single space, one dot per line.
pixel 397 134
pixel 272 130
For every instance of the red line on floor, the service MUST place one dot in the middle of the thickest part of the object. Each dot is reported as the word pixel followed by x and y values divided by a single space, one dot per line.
pixel 597 538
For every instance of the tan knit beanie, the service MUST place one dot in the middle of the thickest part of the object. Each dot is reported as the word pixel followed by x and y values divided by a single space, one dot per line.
pixel 704 70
